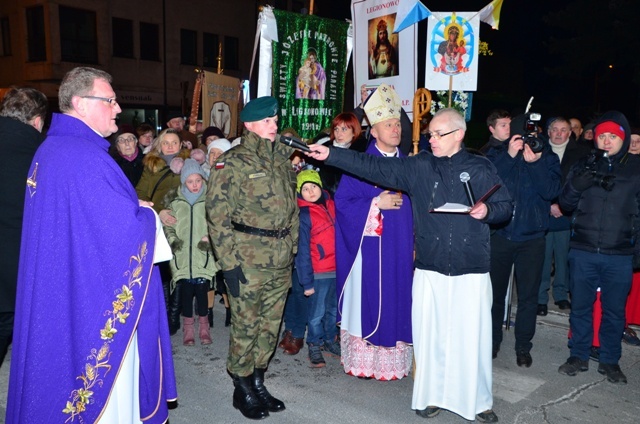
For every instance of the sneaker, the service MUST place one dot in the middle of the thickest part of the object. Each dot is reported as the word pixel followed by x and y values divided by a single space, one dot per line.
pixel 629 337
pixel 613 372
pixel 594 354
pixel 573 366
pixel 428 412
pixel 315 356
pixel 487 416
pixel 332 348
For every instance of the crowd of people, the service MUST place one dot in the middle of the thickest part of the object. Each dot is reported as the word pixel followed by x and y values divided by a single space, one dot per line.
pixel 342 247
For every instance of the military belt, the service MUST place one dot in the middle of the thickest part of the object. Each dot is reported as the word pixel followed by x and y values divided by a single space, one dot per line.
pixel 279 234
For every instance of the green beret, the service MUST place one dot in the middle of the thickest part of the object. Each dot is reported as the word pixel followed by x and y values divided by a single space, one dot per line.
pixel 258 109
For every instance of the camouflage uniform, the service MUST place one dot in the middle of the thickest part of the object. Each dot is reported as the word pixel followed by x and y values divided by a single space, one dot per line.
pixel 254 185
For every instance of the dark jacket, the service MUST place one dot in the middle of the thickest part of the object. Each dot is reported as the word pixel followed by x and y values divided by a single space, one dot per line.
pixel 132 169
pixel 20 142
pixel 573 152
pixel 448 243
pixel 317 240
pixel 493 142
pixel 532 186
pixel 605 221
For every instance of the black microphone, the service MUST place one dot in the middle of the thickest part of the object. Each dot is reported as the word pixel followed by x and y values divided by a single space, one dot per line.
pixel 464 177
pixel 295 143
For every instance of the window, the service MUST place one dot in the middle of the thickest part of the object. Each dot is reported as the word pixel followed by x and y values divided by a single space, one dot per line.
pixel 36 41
pixel 78 35
pixel 188 47
pixel 5 37
pixel 122 37
pixel 149 41
pixel 210 46
pixel 231 53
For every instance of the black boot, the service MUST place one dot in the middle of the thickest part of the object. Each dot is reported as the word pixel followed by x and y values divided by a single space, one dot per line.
pixel 174 310
pixel 246 401
pixel 227 318
pixel 210 317
pixel 268 401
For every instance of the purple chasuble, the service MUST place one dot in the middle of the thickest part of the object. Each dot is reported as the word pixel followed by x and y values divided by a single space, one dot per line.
pixel 386 313
pixel 86 283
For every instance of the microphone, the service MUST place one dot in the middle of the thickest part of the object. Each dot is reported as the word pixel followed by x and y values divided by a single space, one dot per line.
pixel 295 143
pixel 464 178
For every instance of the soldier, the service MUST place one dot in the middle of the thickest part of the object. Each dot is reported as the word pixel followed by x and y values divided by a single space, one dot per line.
pixel 253 225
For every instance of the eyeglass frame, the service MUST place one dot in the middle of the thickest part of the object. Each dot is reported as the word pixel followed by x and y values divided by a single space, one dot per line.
pixel 112 101
pixel 438 136
pixel 122 140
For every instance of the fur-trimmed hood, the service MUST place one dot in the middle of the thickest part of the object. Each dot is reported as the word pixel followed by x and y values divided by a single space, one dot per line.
pixel 154 163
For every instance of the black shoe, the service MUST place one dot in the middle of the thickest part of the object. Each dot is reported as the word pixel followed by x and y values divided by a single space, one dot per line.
pixel 573 366
pixel 428 412
pixel 630 337
pixel 594 354
pixel 268 401
pixel 246 401
pixel 315 356
pixel 542 310
pixel 523 359
pixel 494 352
pixel 210 317
pixel 563 304
pixel 613 372
pixel 487 416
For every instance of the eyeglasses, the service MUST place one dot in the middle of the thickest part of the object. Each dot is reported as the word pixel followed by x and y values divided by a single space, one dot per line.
pixel 123 140
pixel 438 136
pixel 112 101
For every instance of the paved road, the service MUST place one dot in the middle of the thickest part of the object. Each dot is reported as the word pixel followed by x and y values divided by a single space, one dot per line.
pixel 324 396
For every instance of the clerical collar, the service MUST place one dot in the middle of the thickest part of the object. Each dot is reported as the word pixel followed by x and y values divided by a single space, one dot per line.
pixel 388 155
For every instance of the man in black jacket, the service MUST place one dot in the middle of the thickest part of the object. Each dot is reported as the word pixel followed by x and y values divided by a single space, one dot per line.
pixel 22 115
pixel 451 286
pixel 603 191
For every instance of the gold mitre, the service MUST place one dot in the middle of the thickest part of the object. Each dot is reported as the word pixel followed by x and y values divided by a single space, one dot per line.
pixel 384 103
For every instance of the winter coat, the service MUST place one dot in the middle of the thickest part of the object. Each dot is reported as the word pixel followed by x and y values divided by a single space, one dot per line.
pixel 448 243
pixel 195 258
pixel 317 240
pixel 155 169
pixel 132 169
pixel 605 221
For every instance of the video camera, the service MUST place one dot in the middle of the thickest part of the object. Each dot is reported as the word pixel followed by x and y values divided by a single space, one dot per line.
pixel 530 136
pixel 599 179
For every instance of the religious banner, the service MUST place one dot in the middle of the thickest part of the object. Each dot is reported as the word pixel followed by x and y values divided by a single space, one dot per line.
pixel 380 55
pixel 452 51
pixel 309 68
pixel 220 96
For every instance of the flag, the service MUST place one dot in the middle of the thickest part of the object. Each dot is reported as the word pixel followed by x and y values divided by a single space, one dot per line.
pixel 490 14
pixel 409 13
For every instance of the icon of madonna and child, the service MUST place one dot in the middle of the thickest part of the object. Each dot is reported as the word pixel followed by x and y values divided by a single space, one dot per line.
pixel 453 50
pixel 312 79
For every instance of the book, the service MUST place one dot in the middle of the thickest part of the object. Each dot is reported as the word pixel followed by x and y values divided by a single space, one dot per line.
pixel 460 208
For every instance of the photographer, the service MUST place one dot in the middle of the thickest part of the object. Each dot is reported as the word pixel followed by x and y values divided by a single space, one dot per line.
pixel 603 192
pixel 531 172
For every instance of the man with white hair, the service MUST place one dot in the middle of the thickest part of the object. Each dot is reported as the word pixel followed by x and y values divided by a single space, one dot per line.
pixel 451 309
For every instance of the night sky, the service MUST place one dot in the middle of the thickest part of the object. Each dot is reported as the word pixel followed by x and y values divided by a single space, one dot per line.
pixel 523 65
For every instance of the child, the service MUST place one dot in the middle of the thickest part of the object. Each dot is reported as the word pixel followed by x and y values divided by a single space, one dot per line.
pixel 193 263
pixel 316 265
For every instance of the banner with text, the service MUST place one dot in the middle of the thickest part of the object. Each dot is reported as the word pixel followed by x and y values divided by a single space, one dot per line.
pixel 309 67
pixel 220 96
pixel 379 55
pixel 453 40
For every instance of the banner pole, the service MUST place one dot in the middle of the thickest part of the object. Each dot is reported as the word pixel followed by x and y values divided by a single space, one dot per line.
pixel 450 89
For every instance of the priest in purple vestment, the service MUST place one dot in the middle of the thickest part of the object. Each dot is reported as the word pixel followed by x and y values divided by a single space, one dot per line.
pixel 374 255
pixel 91 339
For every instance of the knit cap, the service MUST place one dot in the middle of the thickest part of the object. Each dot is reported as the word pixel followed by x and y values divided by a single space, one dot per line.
pixel 610 127
pixel 221 143
pixel 190 167
pixel 308 176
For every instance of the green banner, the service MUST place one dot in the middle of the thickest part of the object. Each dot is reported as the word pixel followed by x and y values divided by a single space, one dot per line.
pixel 309 67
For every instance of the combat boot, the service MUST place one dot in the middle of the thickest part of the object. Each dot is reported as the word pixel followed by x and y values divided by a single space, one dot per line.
pixel 245 399
pixel 268 401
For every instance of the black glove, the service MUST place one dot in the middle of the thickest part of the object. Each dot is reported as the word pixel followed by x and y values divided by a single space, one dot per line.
pixel 176 245
pixel 582 180
pixel 233 278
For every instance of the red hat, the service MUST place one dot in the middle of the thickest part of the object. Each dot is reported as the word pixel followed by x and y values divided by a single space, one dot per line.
pixel 609 127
